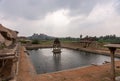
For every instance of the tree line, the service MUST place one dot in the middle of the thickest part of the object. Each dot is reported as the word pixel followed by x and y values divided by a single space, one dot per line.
pixel 104 39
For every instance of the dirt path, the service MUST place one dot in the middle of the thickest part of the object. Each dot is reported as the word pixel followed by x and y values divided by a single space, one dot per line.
pixel 91 73
pixel 26 70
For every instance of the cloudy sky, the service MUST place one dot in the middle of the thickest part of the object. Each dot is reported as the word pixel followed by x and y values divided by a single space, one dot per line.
pixel 61 17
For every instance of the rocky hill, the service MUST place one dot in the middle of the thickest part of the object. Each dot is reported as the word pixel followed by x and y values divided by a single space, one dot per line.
pixel 40 37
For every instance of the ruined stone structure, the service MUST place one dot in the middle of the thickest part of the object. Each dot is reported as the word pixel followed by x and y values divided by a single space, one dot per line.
pixel 9 56
pixel 7 36
pixel 56 46
pixel 88 42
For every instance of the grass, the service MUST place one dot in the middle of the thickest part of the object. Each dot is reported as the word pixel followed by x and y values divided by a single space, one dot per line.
pixel 117 72
pixel 48 42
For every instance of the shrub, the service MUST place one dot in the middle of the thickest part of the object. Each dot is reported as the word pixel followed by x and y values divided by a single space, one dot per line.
pixel 23 41
pixel 2 46
pixel 35 41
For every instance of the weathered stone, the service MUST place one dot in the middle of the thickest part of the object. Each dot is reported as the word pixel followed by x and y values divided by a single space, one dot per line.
pixel 117 78
pixel 7 36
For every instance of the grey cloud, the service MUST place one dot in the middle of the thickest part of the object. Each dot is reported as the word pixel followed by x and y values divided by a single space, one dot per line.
pixel 79 6
pixel 35 9
pixel 29 9
pixel 117 5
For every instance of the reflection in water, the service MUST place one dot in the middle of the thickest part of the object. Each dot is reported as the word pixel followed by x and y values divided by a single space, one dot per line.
pixel 57 61
pixel 45 61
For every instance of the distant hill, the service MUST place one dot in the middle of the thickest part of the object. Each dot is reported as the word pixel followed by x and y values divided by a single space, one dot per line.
pixel 40 37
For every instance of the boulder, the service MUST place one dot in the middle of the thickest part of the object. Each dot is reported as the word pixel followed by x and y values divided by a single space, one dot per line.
pixel 7 36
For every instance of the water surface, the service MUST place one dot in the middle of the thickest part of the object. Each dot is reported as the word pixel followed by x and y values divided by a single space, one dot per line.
pixel 44 61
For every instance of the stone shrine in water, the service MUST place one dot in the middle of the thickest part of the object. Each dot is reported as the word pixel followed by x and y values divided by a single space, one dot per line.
pixel 56 46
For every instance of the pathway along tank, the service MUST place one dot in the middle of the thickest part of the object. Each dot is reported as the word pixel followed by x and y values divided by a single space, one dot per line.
pixel 56 47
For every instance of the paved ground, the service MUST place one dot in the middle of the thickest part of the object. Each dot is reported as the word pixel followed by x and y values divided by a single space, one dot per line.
pixel 91 73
